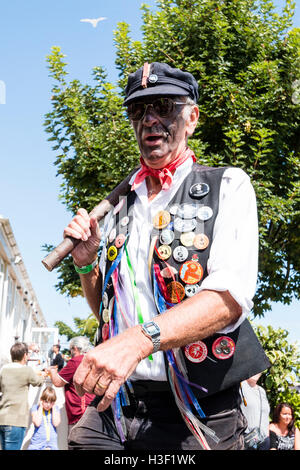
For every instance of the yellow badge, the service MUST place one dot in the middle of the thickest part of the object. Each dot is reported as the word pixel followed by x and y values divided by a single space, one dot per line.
pixel 112 253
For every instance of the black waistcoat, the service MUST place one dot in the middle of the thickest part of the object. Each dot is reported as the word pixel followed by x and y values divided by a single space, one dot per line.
pixel 221 360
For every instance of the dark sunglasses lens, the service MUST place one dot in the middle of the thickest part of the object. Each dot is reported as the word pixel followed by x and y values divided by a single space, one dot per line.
pixel 135 111
pixel 163 106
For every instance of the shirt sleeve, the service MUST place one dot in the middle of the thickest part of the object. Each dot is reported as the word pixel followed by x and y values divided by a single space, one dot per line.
pixel 33 378
pixel 233 262
pixel 68 371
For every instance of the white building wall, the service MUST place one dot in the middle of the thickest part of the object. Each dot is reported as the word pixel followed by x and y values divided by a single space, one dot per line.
pixel 19 308
pixel 21 319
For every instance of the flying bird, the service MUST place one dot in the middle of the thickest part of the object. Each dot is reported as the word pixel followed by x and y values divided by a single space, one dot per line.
pixel 93 21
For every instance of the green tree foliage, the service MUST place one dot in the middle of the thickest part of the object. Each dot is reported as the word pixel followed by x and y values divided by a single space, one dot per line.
pixel 278 381
pixel 245 57
pixel 83 327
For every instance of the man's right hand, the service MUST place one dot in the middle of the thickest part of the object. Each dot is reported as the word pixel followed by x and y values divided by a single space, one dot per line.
pixel 86 229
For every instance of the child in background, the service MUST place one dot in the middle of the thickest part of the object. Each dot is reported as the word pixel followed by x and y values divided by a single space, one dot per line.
pixel 46 418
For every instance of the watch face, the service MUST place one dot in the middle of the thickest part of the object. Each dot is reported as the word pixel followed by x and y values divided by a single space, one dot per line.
pixel 152 329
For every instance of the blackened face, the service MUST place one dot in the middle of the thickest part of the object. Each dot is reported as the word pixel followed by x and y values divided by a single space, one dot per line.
pixel 161 139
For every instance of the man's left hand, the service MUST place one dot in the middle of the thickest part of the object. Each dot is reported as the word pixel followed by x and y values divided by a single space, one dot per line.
pixel 106 367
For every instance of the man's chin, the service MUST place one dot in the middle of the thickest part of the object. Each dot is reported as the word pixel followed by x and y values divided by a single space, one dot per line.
pixel 157 159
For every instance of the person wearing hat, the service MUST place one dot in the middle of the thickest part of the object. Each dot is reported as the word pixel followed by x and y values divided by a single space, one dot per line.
pixel 172 289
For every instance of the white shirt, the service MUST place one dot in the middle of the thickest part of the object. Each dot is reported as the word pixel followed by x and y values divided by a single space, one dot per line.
pixel 257 408
pixel 233 259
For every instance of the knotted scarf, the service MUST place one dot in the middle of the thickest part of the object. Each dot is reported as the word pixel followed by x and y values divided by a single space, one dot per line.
pixel 165 175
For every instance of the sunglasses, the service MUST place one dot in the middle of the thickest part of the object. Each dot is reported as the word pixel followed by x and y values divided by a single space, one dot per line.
pixel 163 107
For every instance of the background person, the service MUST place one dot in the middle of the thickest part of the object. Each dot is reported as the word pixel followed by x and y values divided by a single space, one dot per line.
pixel 57 359
pixel 35 359
pixel 46 418
pixel 256 409
pixel 75 405
pixel 15 379
pixel 283 433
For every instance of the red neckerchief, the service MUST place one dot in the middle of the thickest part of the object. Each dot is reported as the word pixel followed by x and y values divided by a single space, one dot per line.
pixel 164 175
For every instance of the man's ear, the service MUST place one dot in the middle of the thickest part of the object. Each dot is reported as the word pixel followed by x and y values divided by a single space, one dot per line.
pixel 192 121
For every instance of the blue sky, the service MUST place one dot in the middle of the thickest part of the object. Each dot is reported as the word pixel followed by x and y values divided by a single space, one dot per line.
pixel 29 187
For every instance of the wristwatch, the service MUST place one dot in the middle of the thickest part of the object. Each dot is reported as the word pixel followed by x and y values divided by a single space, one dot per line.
pixel 152 331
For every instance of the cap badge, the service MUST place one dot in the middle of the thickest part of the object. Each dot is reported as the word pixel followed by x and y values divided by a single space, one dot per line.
pixel 153 78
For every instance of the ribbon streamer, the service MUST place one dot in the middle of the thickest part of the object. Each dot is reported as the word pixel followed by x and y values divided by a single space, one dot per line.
pixel 181 386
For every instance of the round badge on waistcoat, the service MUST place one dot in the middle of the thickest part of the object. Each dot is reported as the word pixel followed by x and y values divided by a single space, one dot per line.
pixel 196 352
pixel 105 331
pixel 168 272
pixel 223 347
pixel 120 239
pixel 187 238
pixel 105 300
pixel 167 236
pixel 161 219
pixel 112 253
pixel 164 252
pixel 173 209
pixel 175 291
pixel 199 190
pixel 180 253
pixel 191 289
pixel 191 272
pixel 124 221
pixel 201 241
pixel 187 211
pixel 105 315
pixel 184 225
pixel 204 213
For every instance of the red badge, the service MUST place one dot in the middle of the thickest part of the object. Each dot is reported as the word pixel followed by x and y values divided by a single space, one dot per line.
pixel 196 352
pixel 223 347
pixel 105 332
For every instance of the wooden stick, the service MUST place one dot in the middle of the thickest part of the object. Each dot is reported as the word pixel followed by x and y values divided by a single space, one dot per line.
pixel 54 258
